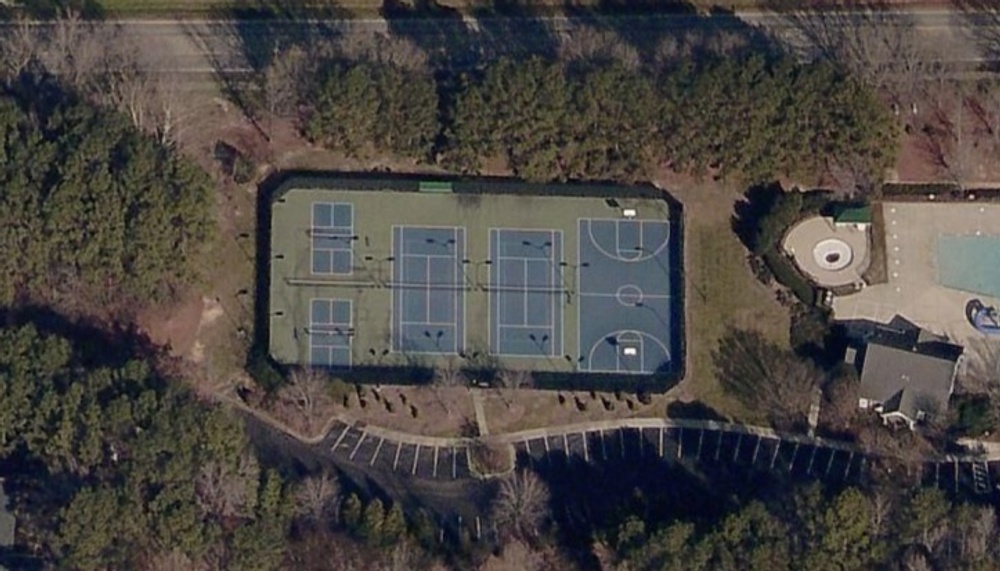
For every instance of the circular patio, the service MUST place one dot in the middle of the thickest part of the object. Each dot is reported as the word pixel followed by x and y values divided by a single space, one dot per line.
pixel 832 255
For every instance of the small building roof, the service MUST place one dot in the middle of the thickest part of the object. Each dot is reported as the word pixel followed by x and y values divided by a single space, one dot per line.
pixel 853 215
pixel 909 380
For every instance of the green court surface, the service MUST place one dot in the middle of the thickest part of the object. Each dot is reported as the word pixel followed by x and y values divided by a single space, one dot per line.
pixel 369 273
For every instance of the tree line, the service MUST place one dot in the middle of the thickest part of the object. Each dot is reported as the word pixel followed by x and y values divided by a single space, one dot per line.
pixel 754 119
pixel 812 529
pixel 90 207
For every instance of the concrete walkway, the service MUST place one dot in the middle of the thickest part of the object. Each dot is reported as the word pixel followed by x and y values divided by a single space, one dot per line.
pixel 477 403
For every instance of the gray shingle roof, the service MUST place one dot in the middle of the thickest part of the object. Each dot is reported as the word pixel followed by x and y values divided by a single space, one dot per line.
pixel 909 380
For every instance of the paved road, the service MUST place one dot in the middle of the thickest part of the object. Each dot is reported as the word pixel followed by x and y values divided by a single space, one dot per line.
pixel 207 46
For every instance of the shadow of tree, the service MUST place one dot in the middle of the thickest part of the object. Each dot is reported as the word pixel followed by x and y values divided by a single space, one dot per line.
pixel 241 42
pixel 453 41
pixel 981 20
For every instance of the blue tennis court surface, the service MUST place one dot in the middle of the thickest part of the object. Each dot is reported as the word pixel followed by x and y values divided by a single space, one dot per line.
pixel 330 331
pixel 332 238
pixel 625 320
pixel 526 292
pixel 428 283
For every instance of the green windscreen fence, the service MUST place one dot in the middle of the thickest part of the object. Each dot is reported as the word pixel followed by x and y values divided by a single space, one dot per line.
pixel 435 186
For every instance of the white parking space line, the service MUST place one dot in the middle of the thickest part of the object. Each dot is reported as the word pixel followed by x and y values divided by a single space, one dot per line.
pixel 718 446
pixel 395 461
pixel 416 455
pixel 739 439
pixel 546 441
pixel 621 441
pixel 661 442
pixel 829 463
pixel 434 472
pixel 565 446
pixel 756 449
pixel 812 458
pixel 795 452
pixel 955 462
pixel 774 457
pixel 604 449
pixel 847 467
pixel 340 438
pixel 701 438
pixel 586 452
pixel 378 448
pixel 454 463
pixel 527 447
pixel 357 445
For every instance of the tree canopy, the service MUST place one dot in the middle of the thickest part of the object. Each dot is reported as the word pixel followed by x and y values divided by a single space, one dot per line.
pixel 88 204
pixel 133 465
pixel 372 104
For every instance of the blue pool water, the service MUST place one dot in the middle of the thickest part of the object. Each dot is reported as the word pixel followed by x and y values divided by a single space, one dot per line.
pixel 969 263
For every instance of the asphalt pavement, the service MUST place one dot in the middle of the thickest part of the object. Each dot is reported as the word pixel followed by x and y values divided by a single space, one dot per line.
pixel 206 46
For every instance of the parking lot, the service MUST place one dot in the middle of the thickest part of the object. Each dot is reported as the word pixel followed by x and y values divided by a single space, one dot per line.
pixel 700 447
pixel 426 458
pixel 963 476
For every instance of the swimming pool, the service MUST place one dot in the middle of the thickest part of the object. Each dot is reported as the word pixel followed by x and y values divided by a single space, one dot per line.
pixel 969 263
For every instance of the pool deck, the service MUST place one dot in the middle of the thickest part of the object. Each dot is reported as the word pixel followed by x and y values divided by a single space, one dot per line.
pixel 912 290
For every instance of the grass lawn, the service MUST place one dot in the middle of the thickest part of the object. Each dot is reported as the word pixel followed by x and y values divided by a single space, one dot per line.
pixel 722 293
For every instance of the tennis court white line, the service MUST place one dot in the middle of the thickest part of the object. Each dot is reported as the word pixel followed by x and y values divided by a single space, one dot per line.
pixel 644 295
pixel 429 323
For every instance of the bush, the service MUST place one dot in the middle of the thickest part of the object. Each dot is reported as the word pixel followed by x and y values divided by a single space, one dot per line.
pixel 787 274
pixel 973 415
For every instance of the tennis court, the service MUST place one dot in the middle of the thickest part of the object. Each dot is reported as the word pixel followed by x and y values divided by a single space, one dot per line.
pixel 552 280
pixel 428 301
pixel 526 292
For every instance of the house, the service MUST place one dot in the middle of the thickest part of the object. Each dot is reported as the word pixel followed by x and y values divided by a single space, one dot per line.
pixel 906 375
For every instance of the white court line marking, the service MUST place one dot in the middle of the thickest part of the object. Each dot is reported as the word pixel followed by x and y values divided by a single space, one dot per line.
pixel 434 472
pixel 546 441
pixel 357 445
pixel 378 447
pixel 395 461
pixel 566 446
pixel 416 455
pixel 661 442
pixel 339 438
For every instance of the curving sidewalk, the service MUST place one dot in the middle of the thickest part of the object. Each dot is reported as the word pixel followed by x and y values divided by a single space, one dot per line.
pixel 978 450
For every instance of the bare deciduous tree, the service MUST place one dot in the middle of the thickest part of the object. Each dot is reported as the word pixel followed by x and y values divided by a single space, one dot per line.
pixel 515 556
pixel 521 505
pixel 307 394
pixel 587 43
pixel 981 370
pixel 18 48
pixel 394 50
pixel 317 498
pixel 285 80
pixel 960 156
pixel 227 491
